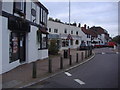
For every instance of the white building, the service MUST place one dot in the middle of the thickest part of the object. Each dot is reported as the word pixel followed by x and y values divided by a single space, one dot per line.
pixel 62 31
pixel 96 35
pixel 23 31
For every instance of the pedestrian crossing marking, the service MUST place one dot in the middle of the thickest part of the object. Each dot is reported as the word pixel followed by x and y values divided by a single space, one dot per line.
pixel 79 81
pixel 68 74
pixel 103 52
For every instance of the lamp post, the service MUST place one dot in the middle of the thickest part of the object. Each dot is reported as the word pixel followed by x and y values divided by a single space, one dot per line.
pixel 69 28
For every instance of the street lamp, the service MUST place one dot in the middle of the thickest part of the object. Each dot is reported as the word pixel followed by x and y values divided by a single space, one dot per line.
pixel 69 28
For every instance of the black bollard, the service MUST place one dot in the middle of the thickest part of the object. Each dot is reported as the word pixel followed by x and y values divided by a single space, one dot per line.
pixel 82 55
pixel 76 57
pixel 50 65
pixel 70 61
pixel 85 53
pixel 88 52
pixel 61 62
pixel 34 70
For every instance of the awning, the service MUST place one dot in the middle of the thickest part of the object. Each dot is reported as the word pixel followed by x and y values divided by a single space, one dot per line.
pixel 43 30
pixel 53 36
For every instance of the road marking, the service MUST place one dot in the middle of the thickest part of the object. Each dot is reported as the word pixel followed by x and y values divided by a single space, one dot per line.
pixel 103 53
pixel 79 81
pixel 117 52
pixel 68 74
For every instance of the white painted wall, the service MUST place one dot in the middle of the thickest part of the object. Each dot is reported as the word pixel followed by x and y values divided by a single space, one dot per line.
pixel 32 53
pixel 7 6
pixel 6 66
pixel 43 54
pixel 61 27
pixel 38 15
pixel 28 11
pixel 32 45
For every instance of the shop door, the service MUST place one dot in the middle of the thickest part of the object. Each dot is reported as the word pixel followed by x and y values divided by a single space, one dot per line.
pixel 22 47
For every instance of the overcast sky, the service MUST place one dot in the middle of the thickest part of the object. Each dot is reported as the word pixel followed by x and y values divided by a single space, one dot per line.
pixel 104 14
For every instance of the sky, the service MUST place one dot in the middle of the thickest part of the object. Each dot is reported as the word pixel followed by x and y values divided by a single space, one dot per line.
pixel 104 14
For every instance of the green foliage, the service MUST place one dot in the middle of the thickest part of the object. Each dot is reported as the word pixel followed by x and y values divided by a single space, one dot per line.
pixel 79 25
pixel 53 48
pixel 74 24
pixel 51 19
pixel 116 39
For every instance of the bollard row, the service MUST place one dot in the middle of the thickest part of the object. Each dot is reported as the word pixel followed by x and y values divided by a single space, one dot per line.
pixel 88 53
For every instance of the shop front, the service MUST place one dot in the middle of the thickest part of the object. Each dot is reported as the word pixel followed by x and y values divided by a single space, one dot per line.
pixel 17 46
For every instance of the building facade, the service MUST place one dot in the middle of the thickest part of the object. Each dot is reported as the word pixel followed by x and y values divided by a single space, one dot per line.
pixel 63 33
pixel 96 35
pixel 24 33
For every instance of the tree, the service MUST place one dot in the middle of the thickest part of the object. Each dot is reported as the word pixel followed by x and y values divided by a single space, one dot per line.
pixel 116 39
pixel 74 24
pixel 53 47
pixel 79 25
pixel 51 19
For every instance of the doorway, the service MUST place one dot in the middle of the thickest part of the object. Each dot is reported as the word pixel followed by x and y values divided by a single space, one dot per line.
pixel 22 47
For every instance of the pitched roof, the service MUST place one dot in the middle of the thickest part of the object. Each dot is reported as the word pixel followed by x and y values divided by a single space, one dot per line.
pixel 89 31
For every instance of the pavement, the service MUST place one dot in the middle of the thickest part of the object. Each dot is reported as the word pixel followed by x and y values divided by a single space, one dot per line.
pixel 21 76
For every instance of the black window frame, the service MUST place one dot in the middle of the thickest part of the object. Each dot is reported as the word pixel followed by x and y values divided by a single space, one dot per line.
pixel 55 30
pixel 45 41
pixel 76 32
pixel 50 29
pixel 22 11
pixel 65 31
pixel 71 32
pixel 77 42
pixel 41 39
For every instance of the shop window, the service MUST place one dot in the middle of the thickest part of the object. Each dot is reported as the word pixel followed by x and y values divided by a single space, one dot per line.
pixel 71 42
pixel 41 40
pixel 13 47
pixel 65 43
pixel 44 41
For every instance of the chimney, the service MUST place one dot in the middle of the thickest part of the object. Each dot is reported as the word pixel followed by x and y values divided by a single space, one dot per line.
pixel 85 26
pixel 88 27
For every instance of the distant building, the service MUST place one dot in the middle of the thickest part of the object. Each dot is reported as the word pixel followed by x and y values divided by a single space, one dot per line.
pixel 96 35
pixel 24 33
pixel 63 32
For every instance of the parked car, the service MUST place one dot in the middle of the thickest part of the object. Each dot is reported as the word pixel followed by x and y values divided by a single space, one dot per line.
pixel 110 44
pixel 83 46
pixel 99 46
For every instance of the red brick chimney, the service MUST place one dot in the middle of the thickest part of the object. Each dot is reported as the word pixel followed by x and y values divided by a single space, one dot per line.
pixel 88 27
pixel 85 26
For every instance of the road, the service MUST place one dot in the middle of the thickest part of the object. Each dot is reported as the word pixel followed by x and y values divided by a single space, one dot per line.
pixel 100 72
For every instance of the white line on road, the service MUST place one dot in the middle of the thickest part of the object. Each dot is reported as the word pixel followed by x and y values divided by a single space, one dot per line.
pixel 79 81
pixel 117 52
pixel 103 53
pixel 68 74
